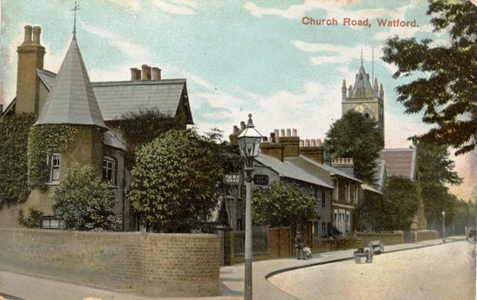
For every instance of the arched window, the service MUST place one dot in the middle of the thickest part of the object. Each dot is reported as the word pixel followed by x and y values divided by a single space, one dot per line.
pixel 109 170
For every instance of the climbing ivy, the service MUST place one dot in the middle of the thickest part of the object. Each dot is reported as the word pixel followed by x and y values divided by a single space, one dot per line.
pixel 44 140
pixel 14 131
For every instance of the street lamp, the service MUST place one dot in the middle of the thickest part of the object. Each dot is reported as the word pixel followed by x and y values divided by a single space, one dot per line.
pixel 249 143
pixel 443 226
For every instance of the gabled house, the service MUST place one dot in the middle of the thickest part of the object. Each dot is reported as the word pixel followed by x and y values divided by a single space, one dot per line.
pixel 94 110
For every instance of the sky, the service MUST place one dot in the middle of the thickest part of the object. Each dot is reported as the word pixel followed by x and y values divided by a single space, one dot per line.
pixel 238 57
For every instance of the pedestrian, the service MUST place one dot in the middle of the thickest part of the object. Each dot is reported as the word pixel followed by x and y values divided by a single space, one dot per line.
pixel 299 246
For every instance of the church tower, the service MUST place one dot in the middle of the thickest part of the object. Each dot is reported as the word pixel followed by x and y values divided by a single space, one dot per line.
pixel 364 98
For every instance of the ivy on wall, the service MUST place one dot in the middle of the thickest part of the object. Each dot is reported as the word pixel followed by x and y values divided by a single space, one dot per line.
pixel 44 140
pixel 14 130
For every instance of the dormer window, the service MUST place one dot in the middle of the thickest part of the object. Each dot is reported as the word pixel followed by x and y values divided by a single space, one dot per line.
pixel 109 170
pixel 54 162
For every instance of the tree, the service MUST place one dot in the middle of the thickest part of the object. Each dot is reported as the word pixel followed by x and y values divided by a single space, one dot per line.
pixel 84 201
pixel 282 205
pixel 445 91
pixel 435 170
pixel 176 180
pixel 400 204
pixel 357 137
pixel 143 126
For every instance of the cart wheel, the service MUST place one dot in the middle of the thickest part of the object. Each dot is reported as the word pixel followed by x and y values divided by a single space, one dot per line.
pixel 357 259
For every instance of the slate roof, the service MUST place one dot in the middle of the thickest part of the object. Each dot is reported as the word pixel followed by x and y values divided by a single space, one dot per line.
pixel 362 87
pixel 72 100
pixel 330 169
pixel 400 162
pixel 290 170
pixel 110 139
pixel 117 97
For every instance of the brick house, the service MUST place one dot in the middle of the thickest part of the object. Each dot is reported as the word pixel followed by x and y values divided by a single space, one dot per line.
pixel 283 156
pixel 95 110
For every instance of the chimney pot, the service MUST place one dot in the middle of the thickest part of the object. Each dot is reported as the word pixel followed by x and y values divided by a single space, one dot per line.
pixel 294 132
pixel 277 134
pixel 235 129
pixel 28 31
pixel 242 125
pixel 302 143
pixel 307 143
pixel 36 34
pixel 318 143
pixel 313 143
pixel 135 74
pixel 282 132
pixel 146 72
pixel 264 139
pixel 156 73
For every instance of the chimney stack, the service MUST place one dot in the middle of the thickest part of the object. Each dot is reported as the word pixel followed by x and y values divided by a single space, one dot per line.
pixel 291 144
pixel 146 72
pixel 30 58
pixel 156 74
pixel 312 149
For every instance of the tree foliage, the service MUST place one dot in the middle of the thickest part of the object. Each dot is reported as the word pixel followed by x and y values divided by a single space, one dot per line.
pixel 14 131
pixel 435 169
pixel 176 180
pixel 400 205
pixel 357 137
pixel 446 88
pixel 143 126
pixel 84 202
pixel 282 205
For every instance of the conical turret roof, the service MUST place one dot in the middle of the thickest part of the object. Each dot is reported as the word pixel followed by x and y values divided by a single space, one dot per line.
pixel 72 100
pixel 362 87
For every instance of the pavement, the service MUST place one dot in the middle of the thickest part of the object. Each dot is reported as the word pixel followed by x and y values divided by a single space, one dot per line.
pixel 20 287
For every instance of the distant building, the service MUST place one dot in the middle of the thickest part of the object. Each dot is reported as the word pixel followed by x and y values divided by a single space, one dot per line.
pixel 401 162
pixel 94 110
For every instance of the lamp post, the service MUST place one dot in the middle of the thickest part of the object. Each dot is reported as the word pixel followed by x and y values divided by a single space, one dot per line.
pixel 443 226
pixel 249 144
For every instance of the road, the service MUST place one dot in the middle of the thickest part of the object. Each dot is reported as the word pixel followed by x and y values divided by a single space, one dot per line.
pixel 439 272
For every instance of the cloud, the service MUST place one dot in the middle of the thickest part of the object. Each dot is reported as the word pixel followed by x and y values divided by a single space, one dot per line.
pixel 333 9
pixel 331 53
pixel 175 9
pixel 127 48
pixel 129 5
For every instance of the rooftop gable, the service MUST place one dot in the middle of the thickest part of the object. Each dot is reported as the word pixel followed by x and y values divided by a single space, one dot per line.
pixel 116 98
pixel 400 162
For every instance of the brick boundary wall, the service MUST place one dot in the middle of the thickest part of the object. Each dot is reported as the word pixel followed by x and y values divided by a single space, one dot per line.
pixel 389 238
pixel 166 265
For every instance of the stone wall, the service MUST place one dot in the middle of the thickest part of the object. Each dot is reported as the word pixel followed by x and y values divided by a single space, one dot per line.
pixel 167 265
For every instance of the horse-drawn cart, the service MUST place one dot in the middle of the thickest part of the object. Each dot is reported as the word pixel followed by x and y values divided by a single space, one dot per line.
pixel 362 252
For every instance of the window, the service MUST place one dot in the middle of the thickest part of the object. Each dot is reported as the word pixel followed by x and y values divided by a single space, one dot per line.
pixel 336 190
pixel 323 229
pixel 54 163
pixel 109 170
pixel 356 194
pixel 348 192
pixel 323 198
